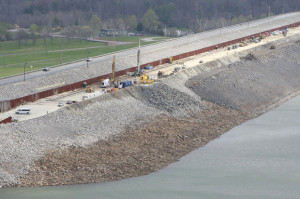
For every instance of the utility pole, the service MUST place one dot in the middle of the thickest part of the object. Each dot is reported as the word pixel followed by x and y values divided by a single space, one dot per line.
pixel 138 58
pixel 46 48
pixel 249 18
pixel 269 11
pixel 25 69
pixel 88 59
pixel 114 62
pixel 113 69
pixel 60 54
pixel 205 25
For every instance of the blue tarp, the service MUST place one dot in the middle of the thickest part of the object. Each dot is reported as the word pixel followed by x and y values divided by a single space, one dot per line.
pixel 148 67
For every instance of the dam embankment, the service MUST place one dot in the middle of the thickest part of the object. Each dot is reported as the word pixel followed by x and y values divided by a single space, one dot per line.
pixel 140 130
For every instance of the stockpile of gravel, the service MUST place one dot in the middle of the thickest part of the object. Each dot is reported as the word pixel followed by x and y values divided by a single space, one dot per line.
pixel 149 54
pixel 248 84
pixel 169 100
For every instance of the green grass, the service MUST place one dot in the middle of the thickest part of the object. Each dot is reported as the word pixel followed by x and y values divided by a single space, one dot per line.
pixel 12 47
pixel 39 56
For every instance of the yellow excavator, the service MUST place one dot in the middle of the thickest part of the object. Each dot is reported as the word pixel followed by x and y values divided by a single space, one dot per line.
pixel 90 90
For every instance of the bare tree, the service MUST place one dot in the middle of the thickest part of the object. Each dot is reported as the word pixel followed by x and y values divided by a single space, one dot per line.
pixel 44 34
pixel 20 35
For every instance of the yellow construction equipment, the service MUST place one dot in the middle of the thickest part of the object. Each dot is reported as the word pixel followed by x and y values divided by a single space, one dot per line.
pixel 170 60
pixel 262 36
pixel 90 90
pixel 146 80
pixel 144 77
pixel 150 81
pixel 243 44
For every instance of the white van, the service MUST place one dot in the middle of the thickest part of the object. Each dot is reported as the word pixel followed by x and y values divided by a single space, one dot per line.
pixel 23 111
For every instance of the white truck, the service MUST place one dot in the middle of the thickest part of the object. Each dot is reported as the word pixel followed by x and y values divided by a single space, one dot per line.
pixel 105 83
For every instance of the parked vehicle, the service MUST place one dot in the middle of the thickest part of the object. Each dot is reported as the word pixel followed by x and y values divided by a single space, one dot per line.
pixel 176 69
pixel 89 60
pixel 148 67
pixel 46 69
pixel 69 102
pixel 60 104
pixel 105 83
pixel 23 111
pixel 126 84
pixel 14 119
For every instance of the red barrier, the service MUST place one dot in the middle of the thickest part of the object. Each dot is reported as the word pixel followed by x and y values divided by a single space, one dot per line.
pixel 7 120
pixel 31 98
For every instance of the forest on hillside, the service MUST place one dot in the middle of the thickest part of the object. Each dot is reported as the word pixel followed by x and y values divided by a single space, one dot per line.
pixel 137 15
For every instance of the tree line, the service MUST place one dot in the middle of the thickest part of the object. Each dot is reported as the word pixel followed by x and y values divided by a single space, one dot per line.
pixel 150 16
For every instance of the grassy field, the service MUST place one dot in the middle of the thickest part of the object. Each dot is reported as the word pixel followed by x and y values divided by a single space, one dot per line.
pixel 54 52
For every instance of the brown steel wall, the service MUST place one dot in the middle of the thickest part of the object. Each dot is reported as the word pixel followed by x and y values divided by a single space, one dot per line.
pixel 7 120
pixel 31 98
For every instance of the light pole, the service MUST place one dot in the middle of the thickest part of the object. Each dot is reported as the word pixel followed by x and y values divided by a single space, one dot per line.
pixel 46 48
pixel 249 20
pixel 88 59
pixel 24 69
pixel 138 72
pixel 60 54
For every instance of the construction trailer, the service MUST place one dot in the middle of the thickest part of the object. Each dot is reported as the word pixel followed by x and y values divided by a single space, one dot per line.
pixel 125 84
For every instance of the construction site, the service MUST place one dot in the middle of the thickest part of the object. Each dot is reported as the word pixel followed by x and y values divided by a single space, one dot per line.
pixel 142 112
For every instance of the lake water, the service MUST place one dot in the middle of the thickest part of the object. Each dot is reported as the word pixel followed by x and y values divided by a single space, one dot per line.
pixel 258 159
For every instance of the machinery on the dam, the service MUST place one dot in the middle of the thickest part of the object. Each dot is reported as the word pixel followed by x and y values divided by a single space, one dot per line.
pixel 156 56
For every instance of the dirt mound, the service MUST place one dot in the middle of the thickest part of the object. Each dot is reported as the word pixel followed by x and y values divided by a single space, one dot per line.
pixel 167 99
